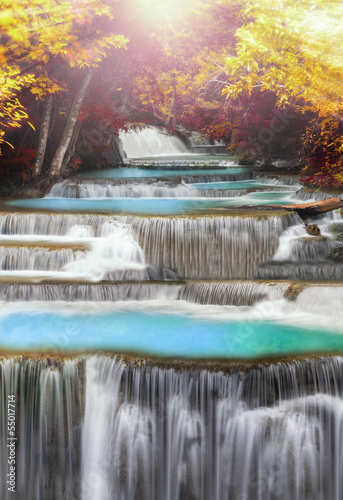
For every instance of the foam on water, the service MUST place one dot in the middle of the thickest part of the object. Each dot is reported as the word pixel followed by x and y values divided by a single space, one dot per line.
pixel 296 236
pixel 118 251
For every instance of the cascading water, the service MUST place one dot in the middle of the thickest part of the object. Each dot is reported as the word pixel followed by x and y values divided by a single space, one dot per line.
pixel 225 293
pixel 274 430
pixel 305 257
pixel 231 293
pixel 89 292
pixel 116 251
pixel 308 194
pixel 49 414
pixel 152 188
pixel 201 247
pixel 34 258
pixel 70 189
pixel 114 426
pixel 100 428
pixel 322 299
pixel 150 141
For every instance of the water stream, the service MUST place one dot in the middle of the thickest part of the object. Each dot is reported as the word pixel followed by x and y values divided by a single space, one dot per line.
pixel 159 349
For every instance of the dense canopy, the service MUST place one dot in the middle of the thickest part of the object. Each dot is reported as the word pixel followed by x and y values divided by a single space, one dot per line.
pixel 263 77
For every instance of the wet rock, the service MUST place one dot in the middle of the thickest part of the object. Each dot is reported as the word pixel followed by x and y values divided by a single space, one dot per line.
pixel 293 291
pixel 312 230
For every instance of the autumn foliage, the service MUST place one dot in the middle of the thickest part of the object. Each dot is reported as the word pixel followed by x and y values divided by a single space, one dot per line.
pixel 263 77
pixel 293 49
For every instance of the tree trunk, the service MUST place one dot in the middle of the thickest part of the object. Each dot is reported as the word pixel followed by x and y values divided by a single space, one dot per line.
pixel 71 148
pixel 43 136
pixel 56 164
pixel 172 118
pixel 268 165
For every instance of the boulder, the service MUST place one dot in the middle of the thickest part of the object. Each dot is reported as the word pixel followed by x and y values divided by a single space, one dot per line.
pixel 312 230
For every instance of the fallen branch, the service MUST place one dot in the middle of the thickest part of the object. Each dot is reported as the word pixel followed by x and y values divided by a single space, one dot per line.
pixel 312 208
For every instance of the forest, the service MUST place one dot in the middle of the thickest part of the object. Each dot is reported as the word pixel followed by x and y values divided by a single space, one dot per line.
pixel 171 250
pixel 264 78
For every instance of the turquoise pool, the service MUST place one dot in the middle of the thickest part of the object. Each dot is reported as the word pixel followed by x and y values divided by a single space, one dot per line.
pixel 144 206
pixel 160 334
pixel 159 172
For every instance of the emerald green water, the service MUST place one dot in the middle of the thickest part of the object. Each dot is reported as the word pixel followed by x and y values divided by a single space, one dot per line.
pixel 159 172
pixel 148 206
pixel 161 334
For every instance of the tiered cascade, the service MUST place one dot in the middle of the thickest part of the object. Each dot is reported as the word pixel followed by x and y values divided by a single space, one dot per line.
pixel 123 424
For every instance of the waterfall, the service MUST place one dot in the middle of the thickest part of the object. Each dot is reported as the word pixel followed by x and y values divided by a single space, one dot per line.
pixel 300 256
pixel 202 435
pixel 147 187
pixel 300 271
pixel 311 249
pixel 49 414
pixel 151 141
pixel 296 245
pixel 210 247
pixel 221 247
pixel 222 293
pixel 89 292
pixel 114 426
pixel 69 189
pixel 322 300
pixel 231 293
pixel 280 180
pixel 161 189
pixel 42 259
pixel 305 194
pixel 49 224
pixel 100 427
pixel 116 251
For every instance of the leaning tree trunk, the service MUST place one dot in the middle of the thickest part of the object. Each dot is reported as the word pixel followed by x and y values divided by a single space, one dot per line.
pixel 43 136
pixel 56 164
pixel 71 148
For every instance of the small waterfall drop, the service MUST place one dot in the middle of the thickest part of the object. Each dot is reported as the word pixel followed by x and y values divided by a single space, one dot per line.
pixel 304 257
pixel 221 293
pixel 40 259
pixel 305 194
pixel 118 251
pixel 159 189
pixel 231 293
pixel 151 141
pixel 70 189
